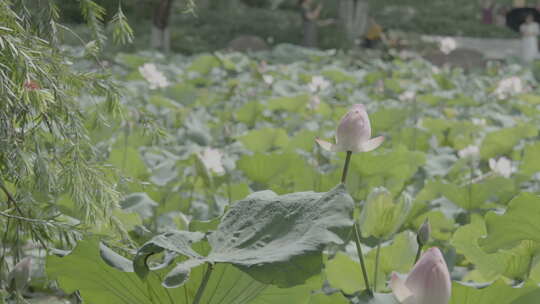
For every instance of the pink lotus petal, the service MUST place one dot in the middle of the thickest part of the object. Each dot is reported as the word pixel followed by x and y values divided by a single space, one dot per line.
pixel 372 144
pixel 402 293
pixel 325 145
pixel 429 280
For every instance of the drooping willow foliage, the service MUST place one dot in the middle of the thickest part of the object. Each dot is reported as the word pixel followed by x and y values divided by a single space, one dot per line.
pixel 53 183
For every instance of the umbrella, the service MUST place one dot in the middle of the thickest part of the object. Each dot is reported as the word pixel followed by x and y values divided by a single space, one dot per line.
pixel 516 17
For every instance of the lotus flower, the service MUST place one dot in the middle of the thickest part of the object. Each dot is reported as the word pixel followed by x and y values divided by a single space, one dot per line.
pixel 447 45
pixel 212 160
pixel 428 283
pixel 407 96
pixel 155 78
pixel 268 79
pixel 508 87
pixel 20 275
pixel 502 166
pixel 353 133
pixel 318 83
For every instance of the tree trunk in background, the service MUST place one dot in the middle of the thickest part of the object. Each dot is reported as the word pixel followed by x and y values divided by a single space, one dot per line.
pixel 161 35
pixel 354 17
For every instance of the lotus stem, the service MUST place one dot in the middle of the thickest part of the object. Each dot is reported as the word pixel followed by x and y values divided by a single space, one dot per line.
pixel 204 282
pixel 356 230
pixel 361 257
pixel 346 167
pixel 375 274
pixel 418 254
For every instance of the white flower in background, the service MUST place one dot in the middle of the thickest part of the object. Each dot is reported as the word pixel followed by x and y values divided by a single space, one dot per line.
pixel 509 86
pixel 479 121
pixel 428 282
pixel 155 78
pixel 353 133
pixel 469 151
pixel 447 45
pixel 407 96
pixel 502 166
pixel 268 79
pixel 212 160
pixel 318 83
pixel 314 102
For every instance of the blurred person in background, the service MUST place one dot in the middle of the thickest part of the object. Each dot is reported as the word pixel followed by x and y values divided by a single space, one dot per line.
pixel 310 16
pixel 488 7
pixel 374 36
pixel 529 39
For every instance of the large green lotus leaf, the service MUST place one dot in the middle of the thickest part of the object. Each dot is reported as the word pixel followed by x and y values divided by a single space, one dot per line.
pixel 398 256
pixel 275 239
pixel 445 82
pixel 162 101
pixel 183 93
pixel 430 99
pixel 282 173
pixel 497 293
pixel 420 205
pixel 391 170
pixel 387 119
pixel 204 64
pixel 531 162
pixel 438 127
pixel 503 141
pixel 266 139
pixel 103 276
pixel 475 196
pixel 262 168
pixel 382 215
pixel 519 223
pixel 462 134
pixel 526 109
pixel 461 100
pixel 177 242
pixel 129 161
pixel 229 285
pixel 278 239
pixel 530 98
pixel 140 203
pixel 339 76
pixel 249 113
pixel 373 77
pixel 293 104
pixel 441 225
pixel 393 85
pixel 465 240
pixel 344 272
pixel 413 138
pixel 303 140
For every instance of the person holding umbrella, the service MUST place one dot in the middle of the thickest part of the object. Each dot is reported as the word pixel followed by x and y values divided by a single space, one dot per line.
pixel 529 39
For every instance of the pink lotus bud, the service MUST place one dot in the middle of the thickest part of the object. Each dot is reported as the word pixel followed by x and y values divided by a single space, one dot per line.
pixel 424 233
pixel 428 283
pixel 353 133
pixel 20 275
